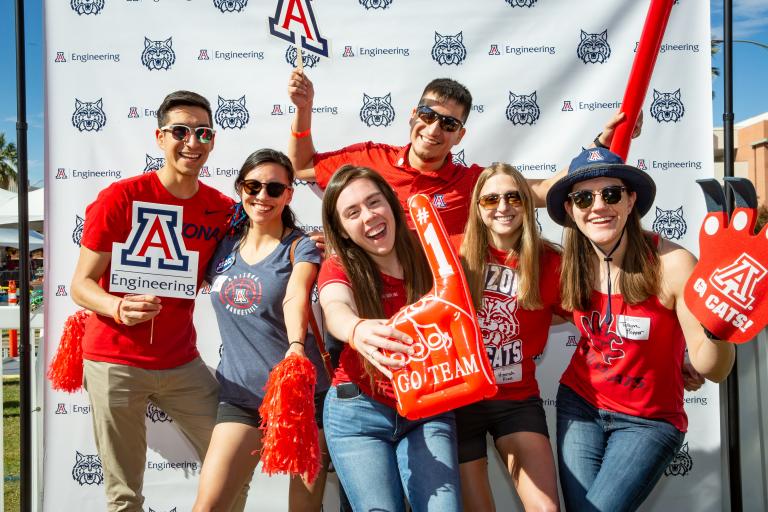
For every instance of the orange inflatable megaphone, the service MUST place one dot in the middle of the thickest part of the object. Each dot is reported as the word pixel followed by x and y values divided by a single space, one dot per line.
pixel 449 367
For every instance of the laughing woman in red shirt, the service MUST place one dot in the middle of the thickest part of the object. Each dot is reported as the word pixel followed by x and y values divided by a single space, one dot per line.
pixel 513 277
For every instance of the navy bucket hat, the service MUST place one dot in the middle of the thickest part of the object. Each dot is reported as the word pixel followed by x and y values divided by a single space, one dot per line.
pixel 600 163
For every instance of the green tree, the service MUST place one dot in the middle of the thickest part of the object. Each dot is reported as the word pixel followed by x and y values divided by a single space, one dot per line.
pixel 8 159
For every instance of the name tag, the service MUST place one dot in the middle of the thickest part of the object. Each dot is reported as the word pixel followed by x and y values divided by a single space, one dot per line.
pixel 633 327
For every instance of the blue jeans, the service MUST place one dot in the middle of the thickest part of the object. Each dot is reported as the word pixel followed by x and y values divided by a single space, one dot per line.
pixel 609 461
pixel 382 458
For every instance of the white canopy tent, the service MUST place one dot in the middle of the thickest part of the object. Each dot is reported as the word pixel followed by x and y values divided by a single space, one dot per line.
pixel 9 237
pixel 9 207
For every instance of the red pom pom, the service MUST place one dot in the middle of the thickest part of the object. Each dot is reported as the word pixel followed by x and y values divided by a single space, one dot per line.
pixel 66 369
pixel 290 443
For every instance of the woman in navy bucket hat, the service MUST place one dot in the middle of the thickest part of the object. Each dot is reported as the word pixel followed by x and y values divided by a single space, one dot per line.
pixel 620 417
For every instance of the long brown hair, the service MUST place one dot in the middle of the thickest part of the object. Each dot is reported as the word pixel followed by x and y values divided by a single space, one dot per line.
pixel 640 275
pixel 529 247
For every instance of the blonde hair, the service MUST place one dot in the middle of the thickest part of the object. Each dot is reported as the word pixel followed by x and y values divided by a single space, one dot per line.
pixel 529 247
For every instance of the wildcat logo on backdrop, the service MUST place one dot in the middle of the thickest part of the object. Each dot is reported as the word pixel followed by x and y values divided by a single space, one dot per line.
pixel 377 110
pixel 667 107
pixel 521 3
pixel 87 469
pixel 230 5
pixel 449 50
pixel 77 233
pixel 376 4
pixel 310 59
pixel 87 6
pixel 594 48
pixel 153 164
pixel 89 116
pixel 232 113
pixel 158 54
pixel 681 464
pixel 458 158
pixel 156 414
pixel 153 259
pixel 670 223
pixel 523 109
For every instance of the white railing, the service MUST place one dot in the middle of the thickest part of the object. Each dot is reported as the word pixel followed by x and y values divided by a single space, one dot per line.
pixel 10 319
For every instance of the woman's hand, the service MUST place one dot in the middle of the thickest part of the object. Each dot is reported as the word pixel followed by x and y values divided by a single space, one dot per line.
pixel 371 336
pixel 606 136
pixel 296 348
pixel 300 89
pixel 692 380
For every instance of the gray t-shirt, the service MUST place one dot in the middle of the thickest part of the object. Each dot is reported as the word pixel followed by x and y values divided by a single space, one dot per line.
pixel 248 300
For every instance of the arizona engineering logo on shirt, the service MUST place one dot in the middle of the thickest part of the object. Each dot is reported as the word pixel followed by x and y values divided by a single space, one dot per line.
pixel 154 259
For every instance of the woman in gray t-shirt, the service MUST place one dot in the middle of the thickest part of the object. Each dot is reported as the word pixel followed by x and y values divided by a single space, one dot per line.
pixel 262 301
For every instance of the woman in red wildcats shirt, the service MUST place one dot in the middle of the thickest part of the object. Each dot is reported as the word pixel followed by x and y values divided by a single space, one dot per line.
pixel 620 417
pixel 513 277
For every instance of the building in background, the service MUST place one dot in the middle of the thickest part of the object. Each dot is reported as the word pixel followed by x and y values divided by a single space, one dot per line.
pixel 751 160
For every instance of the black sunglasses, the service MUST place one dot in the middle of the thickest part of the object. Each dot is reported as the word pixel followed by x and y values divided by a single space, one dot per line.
pixel 491 201
pixel 429 116
pixel 181 132
pixel 584 198
pixel 274 189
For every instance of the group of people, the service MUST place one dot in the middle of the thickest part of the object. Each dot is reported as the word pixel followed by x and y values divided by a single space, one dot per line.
pixel 620 416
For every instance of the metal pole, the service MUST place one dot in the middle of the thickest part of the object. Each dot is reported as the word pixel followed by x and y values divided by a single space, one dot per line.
pixel 732 383
pixel 25 371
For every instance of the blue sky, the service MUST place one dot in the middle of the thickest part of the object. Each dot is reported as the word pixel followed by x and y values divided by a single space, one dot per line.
pixel 750 70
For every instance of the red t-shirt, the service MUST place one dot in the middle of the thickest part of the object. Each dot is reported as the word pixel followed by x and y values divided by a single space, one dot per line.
pixel 108 220
pixel 450 187
pixel 351 369
pixel 514 336
pixel 633 367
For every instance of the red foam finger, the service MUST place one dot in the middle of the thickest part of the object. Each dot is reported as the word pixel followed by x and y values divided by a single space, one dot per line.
pixel 448 368
pixel 727 287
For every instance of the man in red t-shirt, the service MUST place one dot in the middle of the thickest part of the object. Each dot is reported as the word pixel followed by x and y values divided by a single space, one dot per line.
pixel 140 347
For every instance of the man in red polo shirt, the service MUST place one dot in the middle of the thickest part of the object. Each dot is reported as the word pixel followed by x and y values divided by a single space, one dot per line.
pixel 424 165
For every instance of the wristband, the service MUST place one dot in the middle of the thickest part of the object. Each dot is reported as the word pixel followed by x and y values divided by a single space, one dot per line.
pixel 709 334
pixel 301 135
pixel 297 342
pixel 116 314
pixel 351 339
pixel 599 144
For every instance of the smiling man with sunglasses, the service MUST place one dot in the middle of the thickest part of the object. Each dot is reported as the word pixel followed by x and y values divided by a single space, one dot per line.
pixel 138 347
pixel 425 165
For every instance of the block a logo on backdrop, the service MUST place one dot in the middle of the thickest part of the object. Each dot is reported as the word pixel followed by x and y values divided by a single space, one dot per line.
pixel 232 113
pixel 89 116
pixel 667 107
pixel 153 164
pixel 158 54
pixel 154 257
pixel 87 6
pixel 156 414
pixel 523 109
pixel 449 50
pixel 376 4
pixel 681 463
pixel 310 60
pixel 77 233
pixel 230 5
pixel 377 110
pixel 521 3
pixel 594 48
pixel 670 224
pixel 87 469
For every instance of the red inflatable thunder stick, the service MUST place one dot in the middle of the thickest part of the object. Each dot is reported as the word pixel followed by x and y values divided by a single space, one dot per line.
pixel 727 289
pixel 640 76
pixel 449 367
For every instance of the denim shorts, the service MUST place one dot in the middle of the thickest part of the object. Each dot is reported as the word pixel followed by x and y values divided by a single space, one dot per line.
pixel 499 418
pixel 233 413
